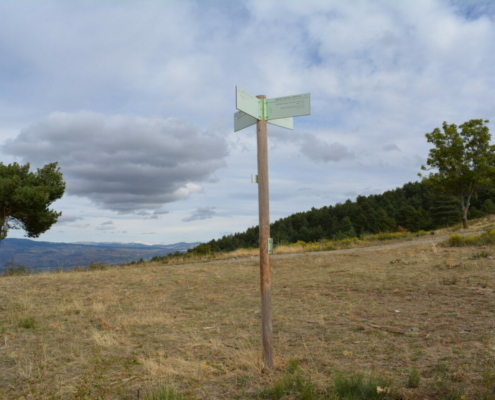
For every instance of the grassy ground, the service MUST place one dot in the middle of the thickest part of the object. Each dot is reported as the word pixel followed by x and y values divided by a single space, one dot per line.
pixel 420 315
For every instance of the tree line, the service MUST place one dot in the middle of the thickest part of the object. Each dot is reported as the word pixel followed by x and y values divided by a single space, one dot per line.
pixel 415 206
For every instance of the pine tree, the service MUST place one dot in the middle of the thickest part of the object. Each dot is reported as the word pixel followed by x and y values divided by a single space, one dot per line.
pixel 446 211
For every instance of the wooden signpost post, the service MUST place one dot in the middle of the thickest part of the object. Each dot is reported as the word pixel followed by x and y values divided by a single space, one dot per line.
pixel 279 111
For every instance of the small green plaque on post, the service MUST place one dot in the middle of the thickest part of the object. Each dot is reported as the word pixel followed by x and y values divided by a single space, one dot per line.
pixel 270 246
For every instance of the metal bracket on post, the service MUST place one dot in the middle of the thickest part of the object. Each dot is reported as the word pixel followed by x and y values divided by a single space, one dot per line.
pixel 254 178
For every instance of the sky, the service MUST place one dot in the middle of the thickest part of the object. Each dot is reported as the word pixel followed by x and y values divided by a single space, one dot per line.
pixel 135 101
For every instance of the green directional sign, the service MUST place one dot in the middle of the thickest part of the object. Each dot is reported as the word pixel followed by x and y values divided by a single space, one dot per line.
pixel 283 122
pixel 248 103
pixel 243 120
pixel 290 106
pixel 278 111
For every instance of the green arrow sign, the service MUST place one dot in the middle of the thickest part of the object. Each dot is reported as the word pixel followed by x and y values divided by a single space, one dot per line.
pixel 278 111
pixel 248 103
pixel 290 106
pixel 243 120
pixel 283 122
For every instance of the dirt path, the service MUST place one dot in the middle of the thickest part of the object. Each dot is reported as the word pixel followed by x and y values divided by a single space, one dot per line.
pixel 430 239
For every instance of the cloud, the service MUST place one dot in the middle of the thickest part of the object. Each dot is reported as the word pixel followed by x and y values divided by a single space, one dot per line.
pixel 311 146
pixel 105 226
pixel 201 213
pixel 391 147
pixel 318 150
pixel 121 163
pixel 80 226
pixel 66 219
pixel 161 212
pixel 142 213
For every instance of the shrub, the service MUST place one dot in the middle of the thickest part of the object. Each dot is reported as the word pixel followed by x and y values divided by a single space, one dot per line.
pixel 292 385
pixel 474 240
pixel 455 240
pixel 358 386
pixel 413 379
pixel 27 323
pixel 96 266
pixel 201 250
pixel 481 254
pixel 389 235
pixel 13 269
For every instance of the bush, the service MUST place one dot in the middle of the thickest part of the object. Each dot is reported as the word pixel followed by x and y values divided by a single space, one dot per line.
pixel 413 379
pixel 455 240
pixel 201 250
pixel 388 236
pixel 481 254
pixel 13 269
pixel 96 266
pixel 292 385
pixel 27 323
pixel 358 386
pixel 474 240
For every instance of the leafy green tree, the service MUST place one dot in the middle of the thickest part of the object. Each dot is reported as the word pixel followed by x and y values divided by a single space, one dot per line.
pixel 488 207
pixel 445 211
pixel 25 197
pixel 464 161
pixel 346 229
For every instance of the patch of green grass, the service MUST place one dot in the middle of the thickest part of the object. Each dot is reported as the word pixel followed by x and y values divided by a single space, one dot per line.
pixel 388 236
pixel 413 379
pixel 481 254
pixel 27 323
pixel 165 393
pixel 359 386
pixel 292 385
pixel 456 228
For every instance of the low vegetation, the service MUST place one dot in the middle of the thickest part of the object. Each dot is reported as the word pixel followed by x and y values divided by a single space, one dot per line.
pixel 402 318
pixel 484 239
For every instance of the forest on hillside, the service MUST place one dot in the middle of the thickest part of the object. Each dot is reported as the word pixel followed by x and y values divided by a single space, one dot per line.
pixel 414 207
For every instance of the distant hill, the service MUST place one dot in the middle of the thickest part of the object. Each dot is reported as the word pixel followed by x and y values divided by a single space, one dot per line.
pixel 49 256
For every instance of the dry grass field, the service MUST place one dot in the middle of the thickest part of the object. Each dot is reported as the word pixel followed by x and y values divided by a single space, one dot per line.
pixel 416 314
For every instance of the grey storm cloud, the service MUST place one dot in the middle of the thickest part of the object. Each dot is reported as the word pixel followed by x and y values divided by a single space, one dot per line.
pixel 104 226
pixel 313 147
pixel 125 164
pixel 391 147
pixel 201 213
pixel 66 219
pixel 318 150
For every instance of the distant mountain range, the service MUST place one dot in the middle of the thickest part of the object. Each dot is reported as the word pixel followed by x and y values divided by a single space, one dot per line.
pixel 51 256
